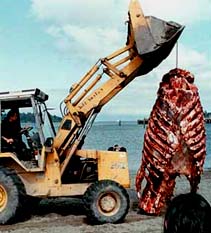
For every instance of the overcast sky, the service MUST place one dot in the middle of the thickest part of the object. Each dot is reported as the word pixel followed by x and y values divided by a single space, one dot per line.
pixel 51 44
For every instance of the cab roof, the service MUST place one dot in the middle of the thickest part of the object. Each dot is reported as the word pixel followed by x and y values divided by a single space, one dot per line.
pixel 35 93
pixel 21 98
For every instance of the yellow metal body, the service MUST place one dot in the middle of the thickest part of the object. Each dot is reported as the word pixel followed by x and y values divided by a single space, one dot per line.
pixel 112 165
pixel 45 180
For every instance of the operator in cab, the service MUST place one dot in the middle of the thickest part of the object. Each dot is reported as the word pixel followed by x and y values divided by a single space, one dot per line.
pixel 11 134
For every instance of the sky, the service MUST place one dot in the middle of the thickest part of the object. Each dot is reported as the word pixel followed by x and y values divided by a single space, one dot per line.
pixel 51 44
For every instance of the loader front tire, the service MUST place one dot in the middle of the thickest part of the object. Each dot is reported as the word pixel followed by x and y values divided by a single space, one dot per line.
pixel 106 201
pixel 12 196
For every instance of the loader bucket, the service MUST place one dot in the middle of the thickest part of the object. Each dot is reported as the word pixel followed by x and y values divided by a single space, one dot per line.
pixel 153 38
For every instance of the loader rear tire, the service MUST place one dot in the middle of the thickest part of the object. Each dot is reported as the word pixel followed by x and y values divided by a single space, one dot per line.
pixel 106 201
pixel 12 196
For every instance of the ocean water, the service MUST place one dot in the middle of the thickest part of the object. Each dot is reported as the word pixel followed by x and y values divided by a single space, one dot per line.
pixel 130 135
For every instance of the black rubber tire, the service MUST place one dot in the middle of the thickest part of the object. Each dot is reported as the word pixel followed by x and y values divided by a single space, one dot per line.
pixel 12 196
pixel 106 191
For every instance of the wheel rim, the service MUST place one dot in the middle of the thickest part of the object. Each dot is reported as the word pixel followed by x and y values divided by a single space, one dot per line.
pixel 3 198
pixel 109 203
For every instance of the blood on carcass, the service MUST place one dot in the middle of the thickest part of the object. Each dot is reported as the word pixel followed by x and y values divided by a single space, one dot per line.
pixel 174 141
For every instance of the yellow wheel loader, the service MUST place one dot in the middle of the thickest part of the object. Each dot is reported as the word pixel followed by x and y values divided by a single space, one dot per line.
pixel 54 162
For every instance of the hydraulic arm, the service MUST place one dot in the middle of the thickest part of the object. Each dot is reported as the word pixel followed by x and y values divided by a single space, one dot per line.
pixel 149 41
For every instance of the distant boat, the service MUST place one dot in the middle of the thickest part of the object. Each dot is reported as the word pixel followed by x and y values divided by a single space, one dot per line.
pixel 142 121
pixel 207 120
pixel 145 121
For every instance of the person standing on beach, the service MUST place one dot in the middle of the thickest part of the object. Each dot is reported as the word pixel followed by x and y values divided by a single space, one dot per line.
pixel 188 213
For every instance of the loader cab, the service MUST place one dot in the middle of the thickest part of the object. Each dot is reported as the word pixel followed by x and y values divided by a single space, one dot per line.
pixel 33 120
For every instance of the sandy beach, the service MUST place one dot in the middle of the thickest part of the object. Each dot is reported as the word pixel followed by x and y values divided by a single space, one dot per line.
pixel 67 215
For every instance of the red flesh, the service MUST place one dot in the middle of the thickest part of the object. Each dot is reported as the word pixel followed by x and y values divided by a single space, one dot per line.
pixel 174 141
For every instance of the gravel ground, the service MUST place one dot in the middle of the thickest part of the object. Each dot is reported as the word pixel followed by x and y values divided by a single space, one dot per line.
pixel 67 215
